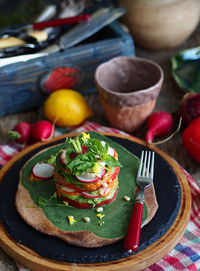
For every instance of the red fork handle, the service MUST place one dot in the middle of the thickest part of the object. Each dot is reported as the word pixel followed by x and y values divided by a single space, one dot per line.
pixel 132 238
pixel 60 22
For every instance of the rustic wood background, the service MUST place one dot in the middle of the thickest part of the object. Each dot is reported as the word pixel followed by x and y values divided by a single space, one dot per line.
pixel 168 100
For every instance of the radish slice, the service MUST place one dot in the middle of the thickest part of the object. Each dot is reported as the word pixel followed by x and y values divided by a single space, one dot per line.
pixel 90 196
pixel 87 178
pixel 63 158
pixel 110 150
pixel 67 189
pixel 43 170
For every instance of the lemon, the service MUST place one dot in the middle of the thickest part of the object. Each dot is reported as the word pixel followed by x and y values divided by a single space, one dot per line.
pixel 66 107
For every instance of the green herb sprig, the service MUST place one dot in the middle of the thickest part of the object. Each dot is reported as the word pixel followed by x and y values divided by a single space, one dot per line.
pixel 42 202
pixel 84 161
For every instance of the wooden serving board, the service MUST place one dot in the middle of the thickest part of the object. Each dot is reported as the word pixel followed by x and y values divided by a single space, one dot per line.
pixel 144 258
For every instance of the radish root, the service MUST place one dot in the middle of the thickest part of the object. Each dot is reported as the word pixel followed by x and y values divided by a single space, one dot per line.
pixel 169 137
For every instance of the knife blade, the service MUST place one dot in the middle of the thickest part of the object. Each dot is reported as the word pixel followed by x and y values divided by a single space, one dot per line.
pixel 86 29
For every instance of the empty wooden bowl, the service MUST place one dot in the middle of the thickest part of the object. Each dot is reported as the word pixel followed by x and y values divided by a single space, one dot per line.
pixel 128 88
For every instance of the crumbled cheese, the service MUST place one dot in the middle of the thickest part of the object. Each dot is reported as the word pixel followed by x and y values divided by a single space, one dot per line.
pixel 86 219
pixel 126 198
pixel 100 209
pixel 71 220
pixel 105 185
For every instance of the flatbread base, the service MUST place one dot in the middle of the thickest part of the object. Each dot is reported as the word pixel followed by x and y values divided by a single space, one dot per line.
pixel 36 218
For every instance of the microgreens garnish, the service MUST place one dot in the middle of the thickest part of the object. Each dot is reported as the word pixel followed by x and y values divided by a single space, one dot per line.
pixel 42 202
pixel 96 151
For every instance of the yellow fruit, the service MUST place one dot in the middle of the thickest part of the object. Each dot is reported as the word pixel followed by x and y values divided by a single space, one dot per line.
pixel 66 107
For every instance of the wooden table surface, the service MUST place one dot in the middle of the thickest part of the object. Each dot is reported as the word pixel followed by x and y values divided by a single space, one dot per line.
pixel 168 100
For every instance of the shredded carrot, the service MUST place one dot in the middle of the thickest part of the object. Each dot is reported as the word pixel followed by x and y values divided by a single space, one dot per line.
pixel 98 184
pixel 115 154
pixel 33 178
pixel 110 187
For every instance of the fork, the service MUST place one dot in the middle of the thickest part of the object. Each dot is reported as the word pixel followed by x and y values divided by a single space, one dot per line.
pixel 144 179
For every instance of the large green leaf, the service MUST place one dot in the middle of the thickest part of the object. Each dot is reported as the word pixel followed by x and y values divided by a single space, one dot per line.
pixel 117 213
pixel 186 69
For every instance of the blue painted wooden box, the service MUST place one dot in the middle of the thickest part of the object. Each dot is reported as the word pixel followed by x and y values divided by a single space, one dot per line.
pixel 19 82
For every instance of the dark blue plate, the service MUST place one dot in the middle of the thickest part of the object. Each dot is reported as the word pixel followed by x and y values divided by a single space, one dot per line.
pixel 168 192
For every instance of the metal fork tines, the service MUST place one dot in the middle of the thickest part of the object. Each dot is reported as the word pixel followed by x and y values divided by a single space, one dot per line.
pixel 145 173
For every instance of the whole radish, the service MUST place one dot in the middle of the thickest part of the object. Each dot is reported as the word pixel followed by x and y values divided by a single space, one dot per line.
pixel 42 130
pixel 21 133
pixel 191 139
pixel 159 124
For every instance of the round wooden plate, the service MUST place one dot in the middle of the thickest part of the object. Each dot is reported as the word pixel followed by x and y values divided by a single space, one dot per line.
pixel 139 261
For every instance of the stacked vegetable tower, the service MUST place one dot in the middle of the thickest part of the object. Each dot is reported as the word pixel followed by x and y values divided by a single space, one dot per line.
pixel 86 172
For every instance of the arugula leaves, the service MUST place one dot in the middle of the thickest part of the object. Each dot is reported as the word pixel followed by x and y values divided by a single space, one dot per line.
pixel 81 163
pixel 110 161
pixel 95 146
pixel 52 159
pixel 84 161
pixel 73 145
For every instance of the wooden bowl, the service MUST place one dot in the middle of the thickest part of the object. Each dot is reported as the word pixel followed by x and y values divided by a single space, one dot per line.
pixel 161 24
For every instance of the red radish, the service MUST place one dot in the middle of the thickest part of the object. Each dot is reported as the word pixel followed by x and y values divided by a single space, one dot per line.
pixel 62 158
pixel 74 154
pixel 20 133
pixel 89 195
pixel 42 130
pixel 87 179
pixel 159 124
pixel 191 139
pixel 189 108
pixel 43 170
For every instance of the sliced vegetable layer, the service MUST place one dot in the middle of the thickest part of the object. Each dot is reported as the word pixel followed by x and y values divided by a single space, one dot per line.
pixel 86 172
